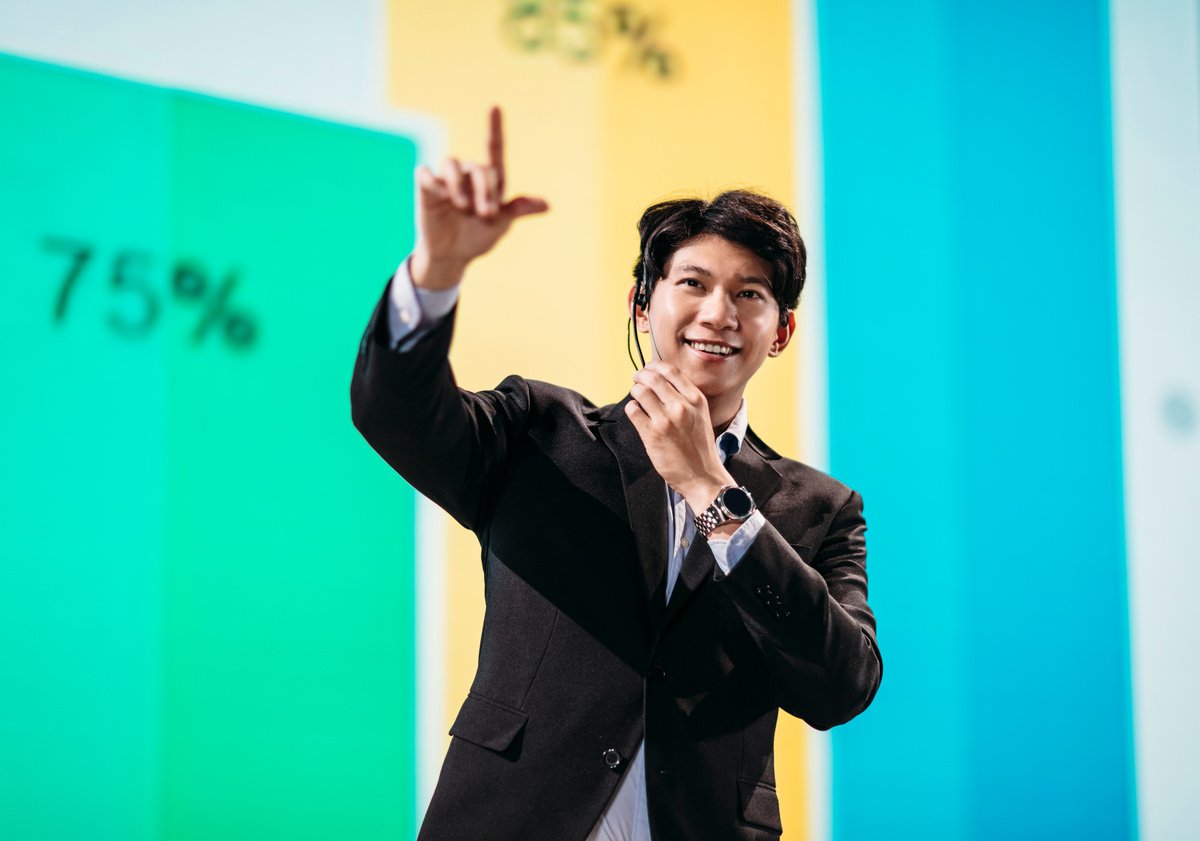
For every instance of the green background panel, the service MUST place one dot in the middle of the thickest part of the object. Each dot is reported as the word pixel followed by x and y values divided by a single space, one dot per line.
pixel 206 580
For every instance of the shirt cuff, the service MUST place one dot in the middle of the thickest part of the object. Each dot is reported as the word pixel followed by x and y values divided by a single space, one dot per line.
pixel 413 312
pixel 728 551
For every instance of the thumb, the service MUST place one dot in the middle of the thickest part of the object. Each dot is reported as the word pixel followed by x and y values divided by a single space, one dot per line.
pixel 524 206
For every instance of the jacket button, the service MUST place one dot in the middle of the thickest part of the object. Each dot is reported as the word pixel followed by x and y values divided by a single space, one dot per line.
pixel 612 759
pixel 657 672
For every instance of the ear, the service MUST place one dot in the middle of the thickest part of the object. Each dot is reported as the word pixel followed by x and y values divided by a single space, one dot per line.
pixel 783 335
pixel 640 319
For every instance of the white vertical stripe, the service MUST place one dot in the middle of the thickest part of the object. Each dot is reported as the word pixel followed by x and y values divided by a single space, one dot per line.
pixel 818 756
pixel 432 523
pixel 813 393
pixel 431 649
pixel 1156 139
pixel 806 110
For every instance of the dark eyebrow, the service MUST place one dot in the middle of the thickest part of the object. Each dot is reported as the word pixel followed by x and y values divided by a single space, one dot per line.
pixel 756 280
pixel 690 268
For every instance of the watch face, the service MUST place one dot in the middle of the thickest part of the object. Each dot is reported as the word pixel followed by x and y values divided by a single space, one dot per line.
pixel 738 502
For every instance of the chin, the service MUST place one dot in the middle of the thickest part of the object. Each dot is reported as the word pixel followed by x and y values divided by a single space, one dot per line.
pixel 711 387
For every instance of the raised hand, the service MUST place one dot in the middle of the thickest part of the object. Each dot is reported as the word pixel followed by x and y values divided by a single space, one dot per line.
pixel 462 212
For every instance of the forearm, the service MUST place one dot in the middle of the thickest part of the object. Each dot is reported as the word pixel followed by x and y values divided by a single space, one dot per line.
pixel 396 397
pixel 413 311
pixel 442 440
pixel 810 619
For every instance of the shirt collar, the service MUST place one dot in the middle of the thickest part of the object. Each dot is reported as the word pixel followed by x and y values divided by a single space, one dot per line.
pixel 730 441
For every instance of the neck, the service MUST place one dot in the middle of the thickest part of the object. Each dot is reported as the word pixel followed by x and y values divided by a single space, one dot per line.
pixel 721 413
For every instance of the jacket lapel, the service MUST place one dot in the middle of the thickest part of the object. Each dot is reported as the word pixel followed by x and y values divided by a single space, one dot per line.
pixel 753 471
pixel 646 501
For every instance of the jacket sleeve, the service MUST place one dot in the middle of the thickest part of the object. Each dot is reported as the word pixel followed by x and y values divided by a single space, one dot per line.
pixel 448 443
pixel 810 619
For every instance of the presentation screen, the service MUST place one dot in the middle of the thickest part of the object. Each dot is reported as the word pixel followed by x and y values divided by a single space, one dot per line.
pixel 205 569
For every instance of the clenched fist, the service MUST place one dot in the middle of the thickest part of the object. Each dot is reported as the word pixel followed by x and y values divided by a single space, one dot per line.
pixel 671 416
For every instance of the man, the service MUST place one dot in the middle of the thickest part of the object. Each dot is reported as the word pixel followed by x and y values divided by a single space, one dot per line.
pixel 659 582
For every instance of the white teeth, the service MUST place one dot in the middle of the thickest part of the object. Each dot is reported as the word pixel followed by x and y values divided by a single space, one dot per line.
pixel 719 349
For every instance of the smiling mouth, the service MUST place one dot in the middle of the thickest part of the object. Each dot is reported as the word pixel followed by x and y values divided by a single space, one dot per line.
pixel 712 348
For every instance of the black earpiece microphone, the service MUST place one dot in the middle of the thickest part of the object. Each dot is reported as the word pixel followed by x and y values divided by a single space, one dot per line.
pixel 641 299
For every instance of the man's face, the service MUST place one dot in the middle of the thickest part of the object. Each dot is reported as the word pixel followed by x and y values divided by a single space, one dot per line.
pixel 714 317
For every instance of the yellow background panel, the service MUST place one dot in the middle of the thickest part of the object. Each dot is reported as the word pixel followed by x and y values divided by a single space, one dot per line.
pixel 597 128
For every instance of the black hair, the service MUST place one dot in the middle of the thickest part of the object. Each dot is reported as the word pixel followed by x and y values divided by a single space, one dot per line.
pixel 752 220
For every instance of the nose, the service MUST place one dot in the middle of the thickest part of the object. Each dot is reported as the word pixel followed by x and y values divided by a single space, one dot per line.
pixel 718 311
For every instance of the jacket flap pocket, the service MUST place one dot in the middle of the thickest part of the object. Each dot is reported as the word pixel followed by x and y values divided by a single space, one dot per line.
pixel 758 804
pixel 488 724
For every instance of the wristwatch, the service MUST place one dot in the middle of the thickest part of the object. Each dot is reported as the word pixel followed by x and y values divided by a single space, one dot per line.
pixel 731 505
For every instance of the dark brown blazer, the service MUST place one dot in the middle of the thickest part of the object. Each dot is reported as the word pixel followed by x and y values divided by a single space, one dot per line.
pixel 580 657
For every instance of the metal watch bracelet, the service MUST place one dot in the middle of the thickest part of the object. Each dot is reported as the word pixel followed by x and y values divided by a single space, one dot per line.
pixel 716 513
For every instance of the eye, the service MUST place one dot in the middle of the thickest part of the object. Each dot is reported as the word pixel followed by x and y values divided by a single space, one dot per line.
pixel 751 293
pixel 692 282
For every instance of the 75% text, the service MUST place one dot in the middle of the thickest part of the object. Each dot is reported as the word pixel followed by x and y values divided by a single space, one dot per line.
pixel 137 305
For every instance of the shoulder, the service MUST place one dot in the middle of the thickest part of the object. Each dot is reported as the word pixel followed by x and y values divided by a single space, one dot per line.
pixel 813 483
pixel 547 400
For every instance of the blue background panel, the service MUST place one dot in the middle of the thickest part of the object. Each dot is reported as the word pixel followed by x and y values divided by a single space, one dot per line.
pixel 974 400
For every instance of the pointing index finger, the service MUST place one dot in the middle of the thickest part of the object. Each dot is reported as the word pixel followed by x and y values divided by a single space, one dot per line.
pixel 496 149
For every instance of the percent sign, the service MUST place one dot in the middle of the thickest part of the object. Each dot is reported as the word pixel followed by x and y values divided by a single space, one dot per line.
pixel 191 283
